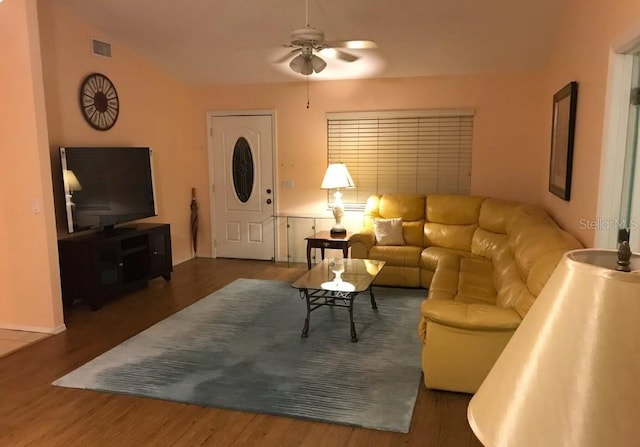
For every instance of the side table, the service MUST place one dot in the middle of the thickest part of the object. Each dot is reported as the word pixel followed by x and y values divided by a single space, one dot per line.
pixel 324 240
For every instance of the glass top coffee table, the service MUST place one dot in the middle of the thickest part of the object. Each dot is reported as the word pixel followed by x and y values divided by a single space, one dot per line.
pixel 336 283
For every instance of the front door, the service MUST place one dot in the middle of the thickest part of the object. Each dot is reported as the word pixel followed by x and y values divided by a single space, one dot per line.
pixel 243 187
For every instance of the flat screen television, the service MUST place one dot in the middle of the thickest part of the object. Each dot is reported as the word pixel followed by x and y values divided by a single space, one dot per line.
pixel 107 186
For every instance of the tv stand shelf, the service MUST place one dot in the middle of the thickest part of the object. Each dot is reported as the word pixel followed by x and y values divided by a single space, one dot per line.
pixel 97 266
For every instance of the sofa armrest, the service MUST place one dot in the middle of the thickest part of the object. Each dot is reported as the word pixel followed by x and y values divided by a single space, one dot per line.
pixel 479 317
pixel 361 243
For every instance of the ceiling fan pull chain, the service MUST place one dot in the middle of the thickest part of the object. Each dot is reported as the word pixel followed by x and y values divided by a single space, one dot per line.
pixel 307 91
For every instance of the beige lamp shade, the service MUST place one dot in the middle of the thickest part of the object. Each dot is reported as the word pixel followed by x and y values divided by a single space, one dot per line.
pixel 570 376
pixel 71 182
pixel 336 177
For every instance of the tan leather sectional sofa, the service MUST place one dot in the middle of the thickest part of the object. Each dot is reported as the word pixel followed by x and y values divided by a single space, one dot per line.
pixel 484 262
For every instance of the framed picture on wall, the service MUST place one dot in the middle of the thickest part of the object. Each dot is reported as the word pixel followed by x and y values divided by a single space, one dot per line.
pixel 562 134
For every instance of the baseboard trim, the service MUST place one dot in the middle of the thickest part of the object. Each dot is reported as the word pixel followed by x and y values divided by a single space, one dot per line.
pixel 42 330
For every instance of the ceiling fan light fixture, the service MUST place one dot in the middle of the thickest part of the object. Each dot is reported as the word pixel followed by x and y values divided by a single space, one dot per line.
pixel 307 65
pixel 309 40
pixel 307 69
pixel 300 64
pixel 318 64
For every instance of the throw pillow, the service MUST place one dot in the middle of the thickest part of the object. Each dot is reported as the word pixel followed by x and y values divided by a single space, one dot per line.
pixel 388 231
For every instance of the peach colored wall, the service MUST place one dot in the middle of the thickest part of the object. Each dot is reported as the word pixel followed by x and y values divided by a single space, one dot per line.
pixel 30 296
pixel 582 54
pixel 511 137
pixel 155 111
pixel 509 127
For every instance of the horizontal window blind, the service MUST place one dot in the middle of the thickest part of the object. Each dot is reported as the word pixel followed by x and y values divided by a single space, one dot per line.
pixel 402 152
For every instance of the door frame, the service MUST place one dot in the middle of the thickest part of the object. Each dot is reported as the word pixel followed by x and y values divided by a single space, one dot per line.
pixel 274 168
pixel 614 135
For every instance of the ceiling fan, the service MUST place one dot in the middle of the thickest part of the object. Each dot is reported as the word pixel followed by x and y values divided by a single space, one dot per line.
pixel 308 41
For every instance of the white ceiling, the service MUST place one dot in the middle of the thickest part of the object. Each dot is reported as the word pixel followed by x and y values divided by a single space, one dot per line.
pixel 237 41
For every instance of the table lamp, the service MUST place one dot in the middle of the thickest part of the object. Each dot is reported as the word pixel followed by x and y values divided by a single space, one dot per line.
pixel 71 184
pixel 569 376
pixel 337 177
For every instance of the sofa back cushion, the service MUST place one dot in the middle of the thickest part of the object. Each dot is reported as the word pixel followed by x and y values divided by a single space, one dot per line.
pixel 492 226
pixel 532 233
pixel 511 290
pixel 542 269
pixel 485 243
pixel 408 207
pixel 526 259
pixel 452 209
pixel 451 220
pixel 455 237
pixel 495 214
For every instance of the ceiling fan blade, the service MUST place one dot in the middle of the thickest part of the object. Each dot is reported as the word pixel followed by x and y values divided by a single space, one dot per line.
pixel 353 44
pixel 287 56
pixel 339 54
pixel 344 56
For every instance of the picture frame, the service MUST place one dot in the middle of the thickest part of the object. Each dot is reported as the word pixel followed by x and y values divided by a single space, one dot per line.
pixel 562 137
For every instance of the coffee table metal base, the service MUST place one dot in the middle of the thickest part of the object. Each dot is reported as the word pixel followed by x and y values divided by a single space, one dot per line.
pixel 318 298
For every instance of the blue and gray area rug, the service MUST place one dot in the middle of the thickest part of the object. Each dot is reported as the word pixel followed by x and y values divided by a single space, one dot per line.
pixel 240 348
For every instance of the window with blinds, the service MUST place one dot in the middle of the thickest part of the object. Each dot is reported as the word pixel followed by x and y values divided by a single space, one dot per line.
pixel 402 152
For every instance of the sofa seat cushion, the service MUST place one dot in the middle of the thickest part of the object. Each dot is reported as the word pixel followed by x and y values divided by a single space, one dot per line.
pixel 475 284
pixel 463 279
pixel 403 256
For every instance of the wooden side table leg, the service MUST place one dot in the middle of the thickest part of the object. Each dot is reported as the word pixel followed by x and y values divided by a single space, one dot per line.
pixel 345 251
pixel 308 255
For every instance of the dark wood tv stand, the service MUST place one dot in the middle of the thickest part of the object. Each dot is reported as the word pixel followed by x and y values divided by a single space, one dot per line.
pixel 97 266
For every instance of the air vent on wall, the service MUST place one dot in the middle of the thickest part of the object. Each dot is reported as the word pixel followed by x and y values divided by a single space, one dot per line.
pixel 100 48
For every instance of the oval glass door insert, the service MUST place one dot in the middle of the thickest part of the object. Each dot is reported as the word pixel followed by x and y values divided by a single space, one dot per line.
pixel 243 169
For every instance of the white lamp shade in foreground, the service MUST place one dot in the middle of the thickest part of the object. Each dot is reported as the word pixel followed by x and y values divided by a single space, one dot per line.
pixel 570 376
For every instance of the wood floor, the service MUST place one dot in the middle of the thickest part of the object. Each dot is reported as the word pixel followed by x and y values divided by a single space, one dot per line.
pixel 35 413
